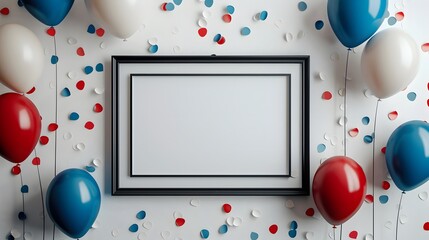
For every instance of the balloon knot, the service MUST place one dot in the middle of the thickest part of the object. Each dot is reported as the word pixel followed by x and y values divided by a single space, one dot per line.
pixel 334 227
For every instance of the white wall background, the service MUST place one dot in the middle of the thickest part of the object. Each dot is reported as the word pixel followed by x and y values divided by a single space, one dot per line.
pixel 176 33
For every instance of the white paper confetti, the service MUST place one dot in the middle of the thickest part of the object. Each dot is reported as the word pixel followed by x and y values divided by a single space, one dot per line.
pixel 331 236
pixel 177 49
pixel 288 37
pixel 342 121
pixel 28 236
pixel 423 196
pixel 368 93
pixel 195 203
pixel 177 214
pixel 147 225
pixel 103 45
pixel 52 85
pixel 326 137
pixel 278 23
pixel 341 107
pixel 67 136
pixel 71 75
pixel 96 162
pixel 388 225
pixel 99 91
pixel 153 41
pixel 256 213
pixel 290 204
pixel 341 92
pixel 309 235
pixel 403 219
pixel 300 34
pixel 230 221
pixel 399 5
pixel 202 22
pixel 80 146
pixel 206 14
pixel 369 237
pixel 175 30
pixel 237 222
pixel 71 41
pixel 115 232
pixel 165 235
pixel 141 236
pixel 321 76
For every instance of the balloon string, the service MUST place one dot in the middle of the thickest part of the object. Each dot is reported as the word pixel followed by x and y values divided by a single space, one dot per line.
pixel 341 231
pixel 373 166
pixel 23 203
pixel 345 101
pixel 397 216
pixel 42 198
pixel 333 229
pixel 56 121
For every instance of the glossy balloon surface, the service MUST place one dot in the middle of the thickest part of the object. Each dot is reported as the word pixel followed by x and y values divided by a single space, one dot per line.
pixel 49 12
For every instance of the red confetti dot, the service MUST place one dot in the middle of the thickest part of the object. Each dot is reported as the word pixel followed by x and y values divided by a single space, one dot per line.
pixel 44 140
pixel 80 52
pixel 426 226
pixel 164 6
pixel 52 127
pixel 80 85
pixel 36 161
pixel 327 95
pixel 353 234
pixel 393 115
pixel 386 185
pixel 309 212
pixel 354 132
pixel 227 18
pixel 273 229
pixel 16 170
pixel 383 150
pixel 31 90
pixel 427 102
pixel 89 125
pixel 202 32
pixel 180 222
pixel 369 198
pixel 100 32
pixel 425 48
pixel 399 16
pixel 221 41
pixel 5 11
pixel 98 108
pixel 227 208
pixel 51 31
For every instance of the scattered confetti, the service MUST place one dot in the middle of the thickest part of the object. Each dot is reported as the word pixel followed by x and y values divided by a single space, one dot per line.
pixel 24 189
pixel 67 136
pixel 411 96
pixel 230 9
pixel 254 236
pixel 98 91
pixel 237 222
pixel 204 234
pixel 391 21
pixel 326 95
pixel 147 225
pixel 365 120
pixel 65 92
pixel 80 85
pixel 32 90
pixel 227 18
pixel 96 162
pixel 80 51
pixel 290 204
pixel 342 120
pixel 115 232
pixel 319 24
pixel 177 2
pixel 386 185
pixel 15 233
pixel 309 235
pixel 383 199
pixel 423 196
pixel 52 127
pixel 100 32
pixel 4 11
pixel 393 115
pixel 399 16
pixel 368 139
pixel 245 31
pixel 321 148
pixel 273 229
pixel 369 198
pixel 91 29
pixel 16 170
pixel 80 146
pixel 353 234
pixel 44 140
pixel 71 75
pixel 309 212
pixel 256 213
pixel 133 228
pixel 74 116
pixel 140 215
pixel 99 67
pixel 90 169
pixel 180 222
pixel 223 229
pixel 169 6
pixel 202 32
pixel 71 41
pixel 426 226
pixel 22 216
pixel 51 31
pixel 403 219
pixel 89 125
pixel 288 37
pixel 292 233
pixel 368 237
pixel 227 208
pixel 195 203
pixel 425 47
pixel 88 70
pixel 98 108
pixel 263 15
pixel 153 48
pixel 54 59
pixel 383 150
pixel 208 3
pixel 36 161
pixel 353 132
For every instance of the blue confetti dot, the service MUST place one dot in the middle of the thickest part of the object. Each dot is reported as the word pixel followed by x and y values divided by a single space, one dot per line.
pixel 24 189
pixel 90 168
pixel 368 139
pixel 141 215
pixel 153 48
pixel 230 9
pixel 208 3
pixel 302 6
pixel 169 6
pixel 263 15
pixel 133 228
pixel 54 59
pixel 293 225
pixel 365 120
pixel 65 92
pixel 99 67
pixel 74 116
pixel 245 31
pixel 223 229
pixel 177 2
pixel 383 199
pixel 91 29
pixel 10 237
pixel 391 21
pixel 22 216
pixel 20 3
pixel 411 96
pixel 319 24
pixel 321 148
pixel 217 37
pixel 254 235
pixel 204 234
pixel 88 70
pixel 292 233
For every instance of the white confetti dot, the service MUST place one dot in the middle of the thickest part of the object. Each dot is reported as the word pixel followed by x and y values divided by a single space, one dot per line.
pixel 300 34
pixel 52 85
pixel 71 75
pixel 147 225
pixel 195 203
pixel 102 45
pixel 331 236
pixel 399 5
pixel 115 232
pixel 206 14
pixel 99 91
pixel 341 92
pixel 176 49
pixel 342 121
pixel 309 235
pixel 334 141
pixel 369 237
pixel 71 41
pixel 326 137
pixel 290 204
pixel 177 215
pixel 256 213
pixel 237 222
pixel 403 219
pixel 423 196
pixel 67 136
pixel 368 93
pixel 202 22
pixel 388 225
pixel 28 236
pixel 141 236
pixel 96 162
pixel 321 76
pixel 153 41
pixel 80 146
pixel 15 233
pixel 341 107
pixel 230 221
pixel 288 37
pixel 165 235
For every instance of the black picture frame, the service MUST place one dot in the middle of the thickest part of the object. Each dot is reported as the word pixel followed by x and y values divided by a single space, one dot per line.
pixel 126 68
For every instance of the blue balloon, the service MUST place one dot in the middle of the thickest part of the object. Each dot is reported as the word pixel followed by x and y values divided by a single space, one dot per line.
pixel 49 12
pixel 355 21
pixel 407 155
pixel 73 201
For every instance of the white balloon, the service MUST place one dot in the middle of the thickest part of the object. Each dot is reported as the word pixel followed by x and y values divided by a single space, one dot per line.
pixel 21 57
pixel 390 62
pixel 121 17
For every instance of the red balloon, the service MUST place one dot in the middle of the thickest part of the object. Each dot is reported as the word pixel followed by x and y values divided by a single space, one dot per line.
pixel 20 126
pixel 339 188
